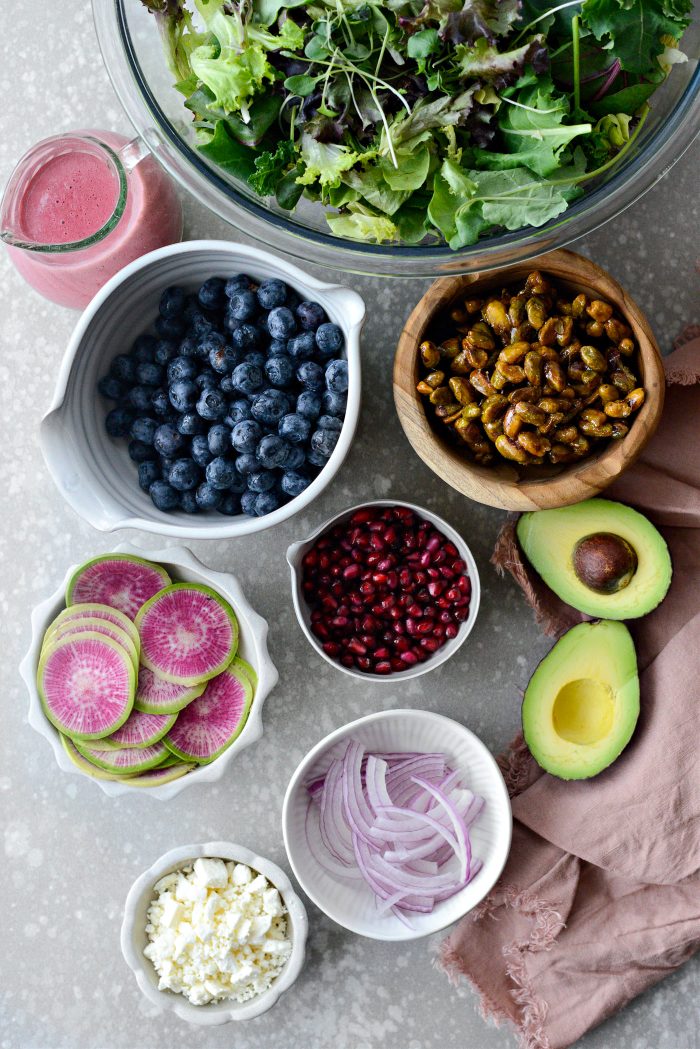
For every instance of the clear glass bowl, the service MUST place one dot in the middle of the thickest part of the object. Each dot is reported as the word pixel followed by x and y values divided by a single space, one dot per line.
pixel 132 51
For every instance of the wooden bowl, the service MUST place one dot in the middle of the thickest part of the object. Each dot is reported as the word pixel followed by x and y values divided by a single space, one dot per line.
pixel 501 484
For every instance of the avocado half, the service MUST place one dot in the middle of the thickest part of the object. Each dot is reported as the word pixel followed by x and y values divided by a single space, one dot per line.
pixel 582 703
pixel 601 557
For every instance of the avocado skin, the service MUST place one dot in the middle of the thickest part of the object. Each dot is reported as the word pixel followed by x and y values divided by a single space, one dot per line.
pixel 549 539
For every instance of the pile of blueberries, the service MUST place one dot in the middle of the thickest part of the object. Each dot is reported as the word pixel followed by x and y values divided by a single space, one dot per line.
pixel 236 402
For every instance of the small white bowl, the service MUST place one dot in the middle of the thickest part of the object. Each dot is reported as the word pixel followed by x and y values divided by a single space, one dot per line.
pixel 93 471
pixel 134 938
pixel 295 555
pixel 351 903
pixel 252 646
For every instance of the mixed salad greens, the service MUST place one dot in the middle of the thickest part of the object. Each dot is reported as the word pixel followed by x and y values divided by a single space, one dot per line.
pixel 416 119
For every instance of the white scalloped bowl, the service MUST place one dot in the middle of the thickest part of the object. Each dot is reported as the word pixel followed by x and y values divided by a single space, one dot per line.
pixel 351 903
pixel 295 555
pixel 252 645
pixel 92 471
pixel 134 938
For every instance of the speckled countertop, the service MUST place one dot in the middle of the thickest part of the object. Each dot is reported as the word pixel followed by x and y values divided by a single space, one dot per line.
pixel 69 852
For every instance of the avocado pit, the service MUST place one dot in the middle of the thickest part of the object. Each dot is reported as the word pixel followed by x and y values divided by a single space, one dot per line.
pixel 604 562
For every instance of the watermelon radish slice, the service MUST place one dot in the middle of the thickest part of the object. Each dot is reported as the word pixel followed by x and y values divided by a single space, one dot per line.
pixel 156 777
pixel 82 763
pixel 97 626
pixel 156 696
pixel 189 633
pixel 127 761
pixel 121 581
pixel 244 666
pixel 96 611
pixel 210 724
pixel 86 684
pixel 141 730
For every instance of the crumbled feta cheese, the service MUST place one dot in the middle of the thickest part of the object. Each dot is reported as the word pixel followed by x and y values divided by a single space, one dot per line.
pixel 217 931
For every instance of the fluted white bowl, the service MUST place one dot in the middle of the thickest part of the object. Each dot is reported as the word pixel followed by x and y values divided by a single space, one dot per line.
pixel 351 903
pixel 252 646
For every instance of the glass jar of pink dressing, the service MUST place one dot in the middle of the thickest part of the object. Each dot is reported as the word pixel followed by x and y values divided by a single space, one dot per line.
pixel 79 206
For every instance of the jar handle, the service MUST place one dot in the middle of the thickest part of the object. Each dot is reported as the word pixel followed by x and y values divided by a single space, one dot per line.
pixel 133 153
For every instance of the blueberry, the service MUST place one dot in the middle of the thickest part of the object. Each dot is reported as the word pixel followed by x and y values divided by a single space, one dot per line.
pixel 219 438
pixel 139 397
pixel 200 325
pixel 248 503
pixel 272 293
pixel 181 369
pixel 167 440
pixel 301 347
pixel 189 347
pixel 246 464
pixel 207 379
pixel 293 483
pixel 269 406
pixel 245 435
pixel 149 472
pixel 296 458
pixel 237 412
pixel 279 370
pixel 329 339
pixel 208 497
pixel 143 349
pixel 329 422
pixel 211 295
pixel 221 473
pixel 124 368
pixel 272 452
pixel 231 323
pixel 238 485
pixel 166 465
pixel 310 375
pixel 170 327
pixel 183 475
pixel 265 503
pixel 241 282
pixel 224 359
pixel 160 402
pixel 324 441
pixel 261 480
pixel 183 395
pixel 255 357
pixel 172 302
pixel 144 430
pixel 247 378
pixel 212 405
pixel 243 305
pixel 111 388
pixel 190 423
pixel 310 315
pixel 337 376
pixel 334 403
pixel 164 497
pixel 281 323
pixel 200 450
pixel 308 405
pixel 165 351
pixel 230 505
pixel 315 458
pixel 226 384
pixel 140 452
pixel 246 338
pixel 188 502
pixel 294 428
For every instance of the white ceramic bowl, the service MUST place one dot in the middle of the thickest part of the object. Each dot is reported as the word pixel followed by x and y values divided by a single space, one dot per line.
pixel 295 554
pixel 351 903
pixel 134 938
pixel 252 645
pixel 93 471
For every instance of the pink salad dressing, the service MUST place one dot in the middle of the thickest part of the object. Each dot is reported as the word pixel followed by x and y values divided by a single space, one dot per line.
pixel 65 191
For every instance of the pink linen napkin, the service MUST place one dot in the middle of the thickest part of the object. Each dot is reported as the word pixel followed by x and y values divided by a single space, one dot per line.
pixel 600 897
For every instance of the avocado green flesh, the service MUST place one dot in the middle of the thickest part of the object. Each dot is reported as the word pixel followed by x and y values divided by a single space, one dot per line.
pixel 582 703
pixel 549 537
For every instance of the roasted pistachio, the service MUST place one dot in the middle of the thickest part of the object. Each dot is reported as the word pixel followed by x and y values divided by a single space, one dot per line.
pixel 511 372
pixel 533 367
pixel 435 379
pixel 510 450
pixel 534 443
pixel 536 312
pixel 636 399
pixel 512 423
pixel 462 389
pixel 593 358
pixel 514 353
pixel 441 395
pixel 481 337
pixel 530 413
pixel 599 310
pixel 429 354
pixel 555 376
pixel 617 409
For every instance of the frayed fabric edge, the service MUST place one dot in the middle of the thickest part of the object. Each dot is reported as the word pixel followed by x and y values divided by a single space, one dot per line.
pixel 546 924
pixel 687 373
pixel 516 766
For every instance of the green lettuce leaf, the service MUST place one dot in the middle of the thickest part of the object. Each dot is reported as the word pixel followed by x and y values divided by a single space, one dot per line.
pixel 359 223
pixel 228 153
pixel 324 162
pixel 370 184
pixel 486 61
pixel 411 171
pixel 533 130
pixel 632 29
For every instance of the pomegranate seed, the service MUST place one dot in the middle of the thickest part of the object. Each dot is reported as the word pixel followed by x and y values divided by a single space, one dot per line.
pixel 340 622
pixel 379 578
pixel 429 612
pixel 420 577
pixel 461 614
pixel 392 580
pixel 369 625
pixel 372 559
pixel 343 610
pixel 450 549
pixel 401 644
pixel 310 559
pixel 397 663
pixel 382 667
pixel 395 612
pixel 411 625
pixel 424 627
pixel 438 631
pixel 453 594
pixel 446 572
pixel 362 516
pixel 351 571
pixel 445 617
pixel 329 604
pixel 399 627
pixel 458 566
pixel 381 653
pixel 347 661
pixel 320 630
pixel 430 644
pixel 387 602
pixel 377 543
pixel 415 610
pixel 363 663
pixel 409 658
pixel 405 578
pixel 433 543
pixel 369 641
pixel 451 630
pixel 367 588
pixel 425 559
pixel 331 648
pixel 356 647
pixel 464 584
pixel 435 588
